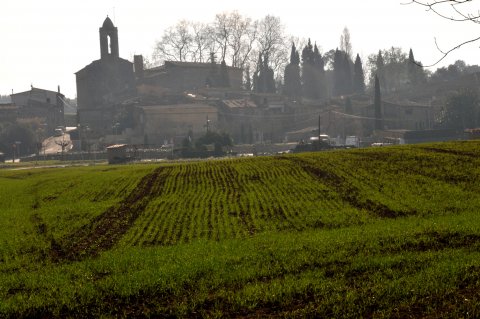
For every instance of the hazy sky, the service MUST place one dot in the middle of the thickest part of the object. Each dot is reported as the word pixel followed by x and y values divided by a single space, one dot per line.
pixel 45 42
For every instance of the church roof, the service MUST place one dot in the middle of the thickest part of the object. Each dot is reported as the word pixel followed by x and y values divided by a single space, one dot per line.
pixel 108 24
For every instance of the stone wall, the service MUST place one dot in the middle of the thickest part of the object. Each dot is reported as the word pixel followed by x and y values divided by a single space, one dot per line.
pixel 182 76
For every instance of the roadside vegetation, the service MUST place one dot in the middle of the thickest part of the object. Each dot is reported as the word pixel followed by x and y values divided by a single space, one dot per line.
pixel 379 232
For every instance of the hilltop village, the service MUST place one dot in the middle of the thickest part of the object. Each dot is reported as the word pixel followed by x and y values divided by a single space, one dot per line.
pixel 120 102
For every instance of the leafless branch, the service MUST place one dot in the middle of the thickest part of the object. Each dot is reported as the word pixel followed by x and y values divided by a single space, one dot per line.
pixel 446 53
pixel 451 4
pixel 436 7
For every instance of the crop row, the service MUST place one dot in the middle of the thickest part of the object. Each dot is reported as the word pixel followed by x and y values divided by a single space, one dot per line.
pixel 234 199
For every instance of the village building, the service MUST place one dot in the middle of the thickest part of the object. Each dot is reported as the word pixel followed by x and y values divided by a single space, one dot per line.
pixel 159 124
pixel 402 115
pixel 8 112
pixel 185 76
pixel 44 105
pixel 257 118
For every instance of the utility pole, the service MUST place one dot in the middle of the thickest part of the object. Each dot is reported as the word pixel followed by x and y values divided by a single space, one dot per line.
pixel 319 132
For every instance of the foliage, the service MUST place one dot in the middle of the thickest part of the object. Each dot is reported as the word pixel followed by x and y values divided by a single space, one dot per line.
pixel 293 85
pixel 313 72
pixel 263 78
pixel 198 147
pixel 461 111
pixel 358 76
pixel 415 73
pixel 395 69
pixel 342 73
pixel 453 71
pixel 10 133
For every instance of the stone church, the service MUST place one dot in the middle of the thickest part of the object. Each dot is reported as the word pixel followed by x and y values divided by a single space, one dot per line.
pixel 112 90
pixel 104 83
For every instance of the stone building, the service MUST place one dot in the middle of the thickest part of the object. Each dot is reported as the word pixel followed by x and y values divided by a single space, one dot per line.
pixel 47 106
pixel 256 118
pixel 104 83
pixel 172 123
pixel 403 115
pixel 8 112
pixel 185 76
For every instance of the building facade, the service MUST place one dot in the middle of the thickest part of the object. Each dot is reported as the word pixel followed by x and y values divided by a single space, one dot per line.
pixel 47 106
pixel 104 83
pixel 186 76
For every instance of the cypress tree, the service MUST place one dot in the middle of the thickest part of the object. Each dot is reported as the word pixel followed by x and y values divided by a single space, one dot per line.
pixel 380 70
pixel 308 74
pixel 212 78
pixel 319 73
pixel 338 73
pixel 411 70
pixel 347 74
pixel 258 82
pixel 293 85
pixel 293 54
pixel 358 77
pixel 268 77
pixel 378 105
pixel 414 70
pixel 224 78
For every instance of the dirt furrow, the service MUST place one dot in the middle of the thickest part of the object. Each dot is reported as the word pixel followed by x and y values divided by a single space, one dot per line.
pixel 104 231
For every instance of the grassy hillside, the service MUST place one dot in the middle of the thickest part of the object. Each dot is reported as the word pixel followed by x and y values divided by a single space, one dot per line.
pixel 381 232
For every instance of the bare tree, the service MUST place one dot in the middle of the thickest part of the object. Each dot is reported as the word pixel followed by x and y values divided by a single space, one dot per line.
pixel 273 43
pixel 453 10
pixel 231 37
pixel 250 41
pixel 243 37
pixel 176 43
pixel 222 32
pixel 235 37
pixel 201 42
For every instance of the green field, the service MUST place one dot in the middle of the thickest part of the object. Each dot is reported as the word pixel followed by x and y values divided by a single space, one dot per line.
pixel 379 232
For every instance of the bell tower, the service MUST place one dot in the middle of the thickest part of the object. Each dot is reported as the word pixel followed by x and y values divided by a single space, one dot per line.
pixel 108 40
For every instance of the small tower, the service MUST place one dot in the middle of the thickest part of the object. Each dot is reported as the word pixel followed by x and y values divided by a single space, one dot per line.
pixel 108 40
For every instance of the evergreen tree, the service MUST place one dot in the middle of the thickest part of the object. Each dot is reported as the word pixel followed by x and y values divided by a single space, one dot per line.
pixel 224 80
pixel 293 54
pixel 412 77
pixel 347 74
pixel 358 77
pixel 212 78
pixel 258 82
pixel 293 85
pixel 337 73
pixel 380 68
pixel 415 72
pixel 268 76
pixel 378 105
pixel 308 73
pixel 263 79
pixel 319 73
pixel 342 73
